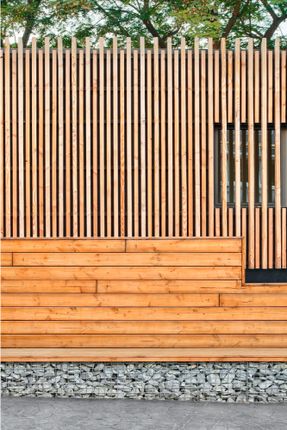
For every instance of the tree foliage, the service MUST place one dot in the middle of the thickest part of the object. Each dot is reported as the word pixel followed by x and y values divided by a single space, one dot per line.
pixel 148 18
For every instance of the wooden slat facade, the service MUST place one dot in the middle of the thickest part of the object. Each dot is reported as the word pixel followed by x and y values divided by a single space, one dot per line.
pixel 146 143
pixel 137 300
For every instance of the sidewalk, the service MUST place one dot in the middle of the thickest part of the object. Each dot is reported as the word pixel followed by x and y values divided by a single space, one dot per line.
pixel 76 414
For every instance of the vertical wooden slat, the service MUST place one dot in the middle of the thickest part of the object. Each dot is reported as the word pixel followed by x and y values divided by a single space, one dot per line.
pixel 277 123
pixel 88 137
pixel 129 139
pixel 283 85
pixel 284 238
pixel 41 141
pixel 142 137
pixel 34 141
pixel 81 144
pixel 197 138
pixel 251 184
pixel 264 150
pixel 190 142
pixel 149 146
pixel 216 86
pixel 27 144
pixel 115 139
pixel 14 146
pixel 108 143
pixel 183 163
pixel 203 143
pixel 95 143
pixel 210 140
pixel 270 238
pixel 170 138
pixel 258 246
pixel 156 193
pixel 163 139
pixel 60 137
pixel 270 86
pixel 102 136
pixel 7 102
pixel 176 143
pixel 54 143
pixel 21 142
pixel 256 84
pixel 74 137
pixel 217 221
pixel 243 86
pixel 230 85
pixel 224 138
pixel 2 125
pixel 230 222
pixel 136 141
pixel 237 139
pixel 68 142
pixel 244 229
pixel 122 143
pixel 47 142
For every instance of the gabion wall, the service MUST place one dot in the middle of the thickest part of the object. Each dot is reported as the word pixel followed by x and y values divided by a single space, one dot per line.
pixel 222 382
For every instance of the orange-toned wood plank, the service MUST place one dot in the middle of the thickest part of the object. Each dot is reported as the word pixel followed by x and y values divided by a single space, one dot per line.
pixel 203 157
pixel 6 259
pixel 49 286
pixel 63 245
pixel 127 259
pixel 74 313
pixel 121 273
pixel 178 286
pixel 144 327
pixel 185 245
pixel 253 299
pixel 119 300
pixel 143 354
pixel 145 341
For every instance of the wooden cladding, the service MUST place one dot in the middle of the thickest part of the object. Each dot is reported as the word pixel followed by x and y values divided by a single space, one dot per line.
pixel 147 142
pixel 136 300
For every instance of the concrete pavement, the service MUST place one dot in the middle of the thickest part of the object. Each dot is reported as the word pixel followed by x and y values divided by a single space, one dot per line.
pixel 81 414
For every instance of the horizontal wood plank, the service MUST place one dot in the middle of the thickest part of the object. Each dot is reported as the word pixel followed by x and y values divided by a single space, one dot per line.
pixel 110 300
pixel 185 245
pixel 143 354
pixel 6 259
pixel 169 286
pixel 48 286
pixel 147 341
pixel 63 245
pixel 144 327
pixel 253 299
pixel 127 259
pixel 121 273
pixel 145 314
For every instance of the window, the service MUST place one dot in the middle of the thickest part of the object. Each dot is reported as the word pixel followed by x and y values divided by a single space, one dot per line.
pixel 244 166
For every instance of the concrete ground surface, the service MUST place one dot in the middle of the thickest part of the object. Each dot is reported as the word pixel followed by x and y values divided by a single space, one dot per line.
pixel 81 414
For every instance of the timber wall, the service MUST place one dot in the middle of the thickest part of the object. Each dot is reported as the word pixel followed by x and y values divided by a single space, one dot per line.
pixel 137 300
pixel 122 143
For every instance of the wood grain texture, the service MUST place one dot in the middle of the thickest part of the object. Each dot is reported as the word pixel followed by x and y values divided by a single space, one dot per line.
pixel 143 354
